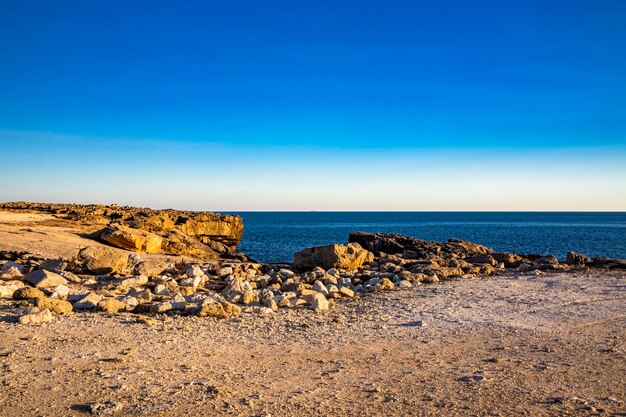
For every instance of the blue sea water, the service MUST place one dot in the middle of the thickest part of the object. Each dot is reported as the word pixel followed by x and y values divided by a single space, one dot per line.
pixel 276 236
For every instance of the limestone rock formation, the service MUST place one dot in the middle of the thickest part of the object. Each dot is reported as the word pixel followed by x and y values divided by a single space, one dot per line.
pixel 199 234
pixel 350 256
pixel 131 239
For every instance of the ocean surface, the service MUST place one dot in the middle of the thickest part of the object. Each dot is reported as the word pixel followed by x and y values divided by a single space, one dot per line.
pixel 276 236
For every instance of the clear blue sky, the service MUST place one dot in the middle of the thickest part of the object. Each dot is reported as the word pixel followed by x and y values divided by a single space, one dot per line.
pixel 447 105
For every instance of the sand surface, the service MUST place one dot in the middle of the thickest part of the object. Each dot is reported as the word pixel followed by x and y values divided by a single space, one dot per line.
pixel 511 345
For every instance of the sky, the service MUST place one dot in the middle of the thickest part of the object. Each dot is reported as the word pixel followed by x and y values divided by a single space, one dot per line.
pixel 325 105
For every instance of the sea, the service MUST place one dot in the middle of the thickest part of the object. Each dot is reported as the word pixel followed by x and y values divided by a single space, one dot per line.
pixel 276 236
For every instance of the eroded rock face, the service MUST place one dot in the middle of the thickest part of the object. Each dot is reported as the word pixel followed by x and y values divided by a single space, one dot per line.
pixel 131 239
pixel 350 256
pixel 198 234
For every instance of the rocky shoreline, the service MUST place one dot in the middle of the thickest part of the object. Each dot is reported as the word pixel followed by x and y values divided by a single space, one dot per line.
pixel 214 280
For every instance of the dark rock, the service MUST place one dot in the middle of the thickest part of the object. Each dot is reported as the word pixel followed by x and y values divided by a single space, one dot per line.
pixel 574 258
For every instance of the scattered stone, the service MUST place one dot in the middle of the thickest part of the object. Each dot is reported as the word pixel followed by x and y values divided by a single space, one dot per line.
pixel 60 292
pixel 224 272
pixel 27 293
pixel 150 267
pixel 88 302
pixel 11 273
pixel 346 292
pixel 317 301
pixel 111 305
pixel 547 260
pixel 404 284
pixel 212 309
pixel 386 284
pixel 42 278
pixel 37 317
pixel 54 265
pixel 7 291
pixel 178 302
pixel 55 306
pixel 319 287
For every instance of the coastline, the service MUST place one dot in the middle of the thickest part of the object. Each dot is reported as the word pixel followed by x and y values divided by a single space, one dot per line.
pixel 383 324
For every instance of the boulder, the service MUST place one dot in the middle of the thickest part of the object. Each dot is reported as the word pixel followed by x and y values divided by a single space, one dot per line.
pixel 151 267
pixel 88 302
pixel 55 306
pixel 103 260
pixel 131 239
pixel 111 305
pixel 42 278
pixel 349 256
pixel 27 293
pixel 574 258
pixel 317 301
pixel 210 308
pixel 386 284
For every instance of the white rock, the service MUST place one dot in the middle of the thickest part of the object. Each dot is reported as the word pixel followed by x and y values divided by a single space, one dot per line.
pixel 287 273
pixel 136 281
pixel 161 290
pixel 76 294
pixel 191 282
pixel 130 301
pixel 60 291
pixel 6 291
pixel 88 302
pixel 318 301
pixel 194 271
pixel 37 317
pixel 345 282
pixel 178 302
pixel 41 278
pixel 333 271
pixel 404 284
pixel 225 271
pixel 319 287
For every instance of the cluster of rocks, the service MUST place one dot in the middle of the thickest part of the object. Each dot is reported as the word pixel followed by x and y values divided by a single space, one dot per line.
pixel 203 235
pixel 112 281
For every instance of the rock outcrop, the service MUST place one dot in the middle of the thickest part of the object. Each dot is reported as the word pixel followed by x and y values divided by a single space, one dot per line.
pixel 198 234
